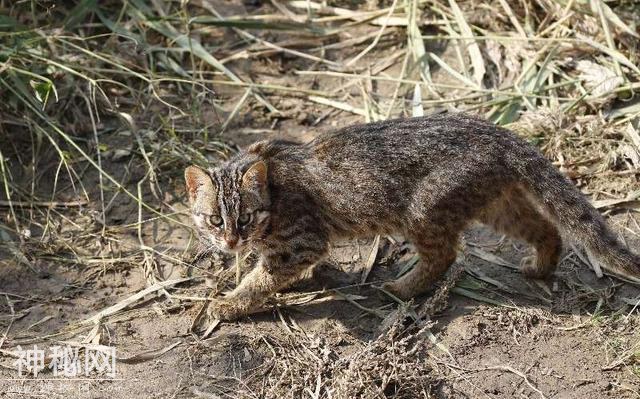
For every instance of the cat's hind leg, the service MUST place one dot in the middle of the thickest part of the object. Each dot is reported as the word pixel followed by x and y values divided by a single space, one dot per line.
pixel 515 215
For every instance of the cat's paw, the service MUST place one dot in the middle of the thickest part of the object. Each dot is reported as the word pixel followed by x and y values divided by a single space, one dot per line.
pixel 530 268
pixel 224 309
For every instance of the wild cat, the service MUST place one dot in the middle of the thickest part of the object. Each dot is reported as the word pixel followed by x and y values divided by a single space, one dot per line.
pixel 426 178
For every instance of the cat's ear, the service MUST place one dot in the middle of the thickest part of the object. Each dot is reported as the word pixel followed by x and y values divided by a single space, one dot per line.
pixel 195 178
pixel 255 176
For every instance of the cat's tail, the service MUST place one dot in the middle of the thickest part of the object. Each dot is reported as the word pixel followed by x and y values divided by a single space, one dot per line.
pixel 575 216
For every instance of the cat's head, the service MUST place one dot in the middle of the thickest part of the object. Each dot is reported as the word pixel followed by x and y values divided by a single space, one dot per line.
pixel 229 204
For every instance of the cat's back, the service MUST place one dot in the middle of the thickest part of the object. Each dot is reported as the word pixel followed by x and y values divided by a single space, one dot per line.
pixel 435 137
pixel 440 135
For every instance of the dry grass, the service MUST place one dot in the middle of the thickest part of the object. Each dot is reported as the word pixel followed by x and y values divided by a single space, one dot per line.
pixel 394 364
pixel 105 102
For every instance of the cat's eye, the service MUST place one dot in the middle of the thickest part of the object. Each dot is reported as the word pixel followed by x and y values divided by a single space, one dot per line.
pixel 244 219
pixel 216 220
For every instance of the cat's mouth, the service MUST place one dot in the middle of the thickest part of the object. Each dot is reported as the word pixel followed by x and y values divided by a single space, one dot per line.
pixel 231 247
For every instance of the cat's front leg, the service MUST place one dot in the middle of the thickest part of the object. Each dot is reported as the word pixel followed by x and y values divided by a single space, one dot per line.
pixel 268 277
pixel 225 309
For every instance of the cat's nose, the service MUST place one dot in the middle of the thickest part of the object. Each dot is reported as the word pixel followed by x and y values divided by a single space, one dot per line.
pixel 231 242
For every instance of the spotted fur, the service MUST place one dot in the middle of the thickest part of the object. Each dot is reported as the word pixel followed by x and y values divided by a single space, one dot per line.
pixel 426 178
